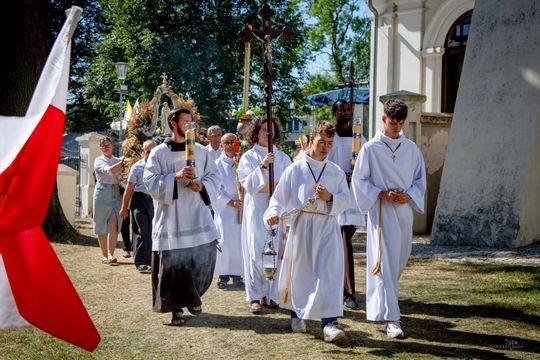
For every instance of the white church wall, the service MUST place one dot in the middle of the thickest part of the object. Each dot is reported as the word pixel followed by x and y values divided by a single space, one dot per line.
pixel 529 222
pixel 409 42
pixel 440 16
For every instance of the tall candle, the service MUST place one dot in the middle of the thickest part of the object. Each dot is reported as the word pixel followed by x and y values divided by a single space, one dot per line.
pixel 190 145
pixel 356 140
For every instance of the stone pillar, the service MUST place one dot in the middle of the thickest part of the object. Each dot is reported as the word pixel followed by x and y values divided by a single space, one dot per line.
pixel 89 150
pixel 490 188
pixel 413 130
pixel 435 133
pixel 433 60
pixel 66 180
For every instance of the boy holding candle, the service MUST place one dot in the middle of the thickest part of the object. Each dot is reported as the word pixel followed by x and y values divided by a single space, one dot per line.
pixel 184 236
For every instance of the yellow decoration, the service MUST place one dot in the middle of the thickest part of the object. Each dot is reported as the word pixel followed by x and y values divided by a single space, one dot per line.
pixel 190 145
pixel 356 140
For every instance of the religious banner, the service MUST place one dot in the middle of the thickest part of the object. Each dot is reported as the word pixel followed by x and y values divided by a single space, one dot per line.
pixel 34 288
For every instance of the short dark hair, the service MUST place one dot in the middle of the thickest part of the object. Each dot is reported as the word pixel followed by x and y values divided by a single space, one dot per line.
pixel 175 114
pixel 324 128
pixel 336 104
pixel 396 109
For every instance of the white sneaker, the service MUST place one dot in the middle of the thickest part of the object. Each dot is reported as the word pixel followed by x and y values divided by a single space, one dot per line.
pixel 298 325
pixel 393 330
pixel 333 333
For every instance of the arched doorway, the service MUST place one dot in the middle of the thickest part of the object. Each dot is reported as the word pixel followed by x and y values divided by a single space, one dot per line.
pixel 454 54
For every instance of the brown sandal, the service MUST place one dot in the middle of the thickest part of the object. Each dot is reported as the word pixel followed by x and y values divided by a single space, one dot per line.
pixel 178 319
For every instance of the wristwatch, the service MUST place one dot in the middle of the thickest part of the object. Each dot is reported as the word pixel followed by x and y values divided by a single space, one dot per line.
pixel 262 166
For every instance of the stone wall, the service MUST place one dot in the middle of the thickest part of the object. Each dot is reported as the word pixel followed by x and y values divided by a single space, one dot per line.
pixel 435 133
pixel 490 188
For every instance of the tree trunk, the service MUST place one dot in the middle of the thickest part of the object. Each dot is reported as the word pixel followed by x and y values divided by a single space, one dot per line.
pixel 56 226
pixel 26 42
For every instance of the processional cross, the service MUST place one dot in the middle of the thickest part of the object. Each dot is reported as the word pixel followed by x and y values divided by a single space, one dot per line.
pixel 351 84
pixel 266 34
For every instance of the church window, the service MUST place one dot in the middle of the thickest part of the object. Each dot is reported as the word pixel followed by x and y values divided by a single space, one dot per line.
pixel 454 54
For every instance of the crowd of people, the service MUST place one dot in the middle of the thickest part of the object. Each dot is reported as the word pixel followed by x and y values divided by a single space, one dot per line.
pixel 202 211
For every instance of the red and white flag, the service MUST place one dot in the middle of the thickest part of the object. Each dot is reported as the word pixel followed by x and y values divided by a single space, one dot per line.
pixel 34 288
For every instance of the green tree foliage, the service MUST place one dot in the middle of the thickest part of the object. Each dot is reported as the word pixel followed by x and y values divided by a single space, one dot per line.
pixel 80 114
pixel 196 43
pixel 317 83
pixel 340 33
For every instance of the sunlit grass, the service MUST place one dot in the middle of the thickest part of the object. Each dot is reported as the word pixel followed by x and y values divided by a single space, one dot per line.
pixel 449 310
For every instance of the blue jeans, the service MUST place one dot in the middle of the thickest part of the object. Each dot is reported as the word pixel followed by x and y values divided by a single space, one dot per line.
pixel 324 321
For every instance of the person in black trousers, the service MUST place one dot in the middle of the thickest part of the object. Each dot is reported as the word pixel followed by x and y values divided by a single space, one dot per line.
pixel 142 209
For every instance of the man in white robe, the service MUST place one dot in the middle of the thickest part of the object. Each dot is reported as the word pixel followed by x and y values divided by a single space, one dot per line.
pixel 390 178
pixel 351 218
pixel 213 135
pixel 183 232
pixel 313 255
pixel 228 206
pixel 253 175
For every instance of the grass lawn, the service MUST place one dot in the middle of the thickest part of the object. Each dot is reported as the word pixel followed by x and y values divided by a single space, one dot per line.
pixel 449 310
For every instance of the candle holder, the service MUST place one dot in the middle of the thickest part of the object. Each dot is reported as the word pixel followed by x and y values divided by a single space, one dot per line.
pixel 356 140
pixel 190 144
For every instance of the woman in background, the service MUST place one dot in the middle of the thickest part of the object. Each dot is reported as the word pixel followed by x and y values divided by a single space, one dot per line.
pixel 107 200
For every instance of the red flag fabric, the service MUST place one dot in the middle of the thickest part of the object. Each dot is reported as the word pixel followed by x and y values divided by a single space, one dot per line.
pixel 34 288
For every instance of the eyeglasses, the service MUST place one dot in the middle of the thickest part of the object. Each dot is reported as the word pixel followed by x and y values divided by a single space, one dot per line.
pixel 324 143
pixel 228 142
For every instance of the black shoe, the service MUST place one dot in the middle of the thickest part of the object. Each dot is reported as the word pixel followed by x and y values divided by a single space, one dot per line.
pixel 350 302
pixel 221 285
pixel 238 284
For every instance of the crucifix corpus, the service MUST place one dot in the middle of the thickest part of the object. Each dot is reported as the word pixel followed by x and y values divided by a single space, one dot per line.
pixel 266 35
pixel 351 84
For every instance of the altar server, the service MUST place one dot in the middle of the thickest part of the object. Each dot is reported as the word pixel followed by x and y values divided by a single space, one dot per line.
pixel 253 175
pixel 228 207
pixel 388 182
pixel 315 190
pixel 183 232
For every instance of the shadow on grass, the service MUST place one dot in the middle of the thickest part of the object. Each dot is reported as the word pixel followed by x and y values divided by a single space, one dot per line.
pixel 442 332
pixel 439 331
pixel 80 239
pixel 492 268
pixel 465 311
pixel 389 348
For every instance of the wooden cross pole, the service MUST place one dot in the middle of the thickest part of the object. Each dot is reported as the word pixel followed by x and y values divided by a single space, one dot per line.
pixel 351 84
pixel 266 34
